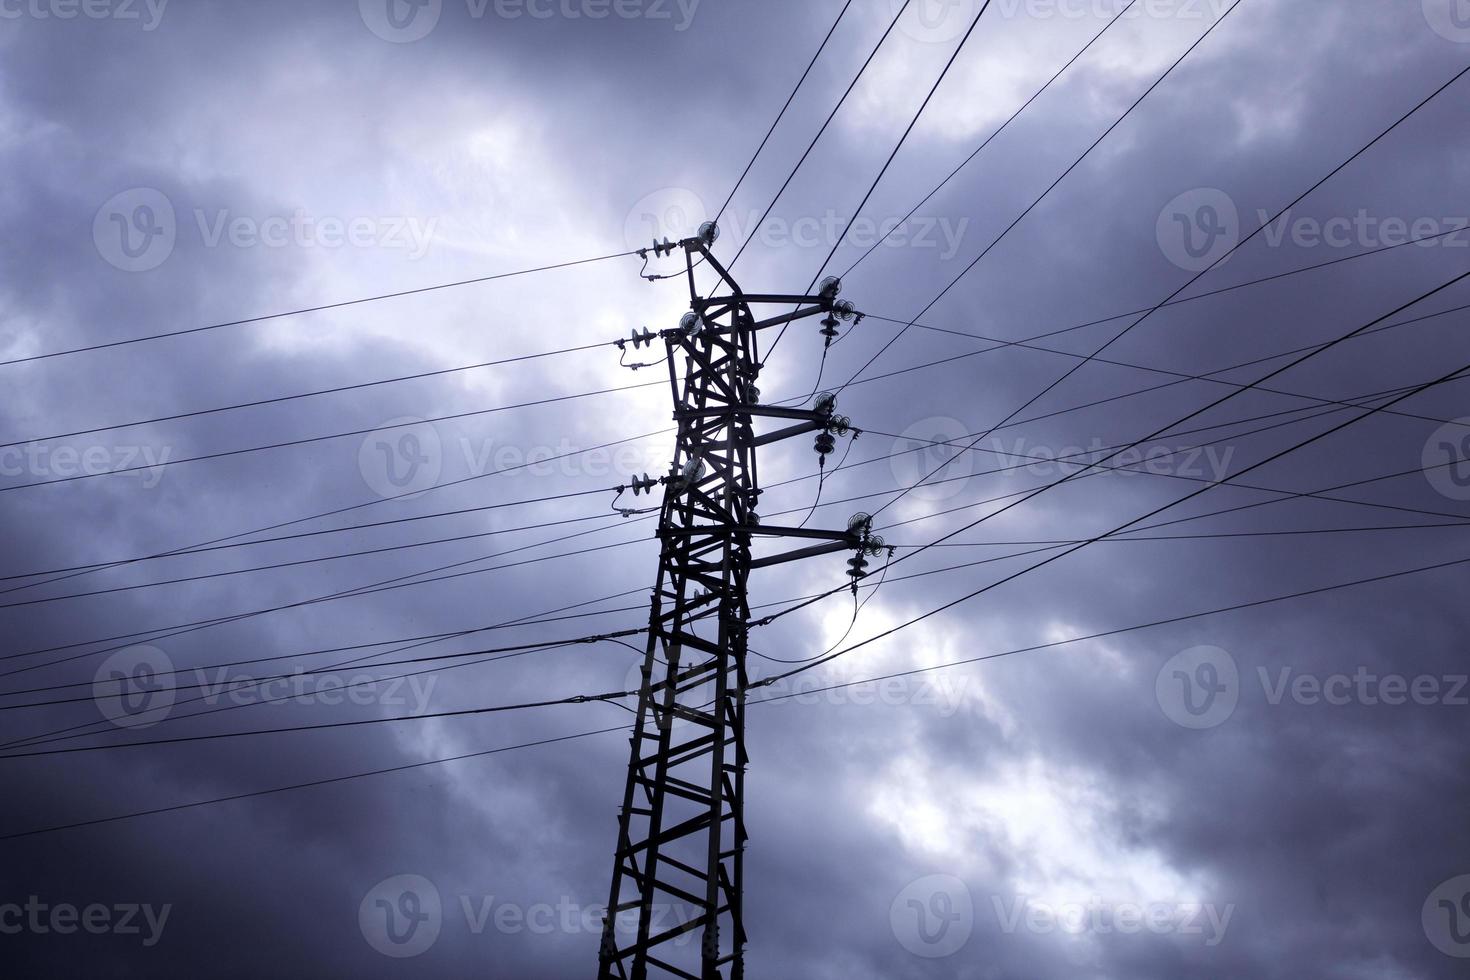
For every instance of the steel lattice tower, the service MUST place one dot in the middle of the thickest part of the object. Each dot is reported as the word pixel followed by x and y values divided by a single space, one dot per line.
pixel 678 870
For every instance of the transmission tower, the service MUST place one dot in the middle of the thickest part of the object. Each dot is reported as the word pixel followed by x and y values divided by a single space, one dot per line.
pixel 675 904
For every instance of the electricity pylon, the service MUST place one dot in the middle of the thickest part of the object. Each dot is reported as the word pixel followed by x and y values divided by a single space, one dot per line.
pixel 678 870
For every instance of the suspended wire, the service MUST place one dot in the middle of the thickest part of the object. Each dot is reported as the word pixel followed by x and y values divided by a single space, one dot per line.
pixel 325 726
pixel 308 534
pixel 227 688
pixel 351 508
pixel 312 440
pixel 1282 496
pixel 1249 387
pixel 311 309
pixel 780 115
pixel 305 394
pixel 981 148
pixel 422 639
pixel 1438 566
pixel 1235 248
pixel 1047 193
pixel 388 585
pixel 305 562
pixel 822 477
pixel 115 818
pixel 833 115
pixel 1202 490
pixel 999 344
pixel 883 170
pixel 76 731
pixel 308 785
pixel 547 617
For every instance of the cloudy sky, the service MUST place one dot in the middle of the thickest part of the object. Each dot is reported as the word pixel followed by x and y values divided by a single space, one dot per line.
pixel 1276 791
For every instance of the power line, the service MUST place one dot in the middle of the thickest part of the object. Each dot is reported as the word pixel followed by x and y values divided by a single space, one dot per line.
pixel 624 728
pixel 312 440
pixel 1046 193
pixel 94 566
pixel 298 729
pixel 388 585
pixel 1205 489
pixel 1233 249
pixel 226 688
pixel 351 508
pixel 833 115
pixel 1118 632
pixel 780 115
pixel 305 394
pixel 547 617
pixel 310 309
pixel 303 562
pixel 1282 496
pixel 881 173
pixel 1002 128
pixel 306 785
pixel 424 639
